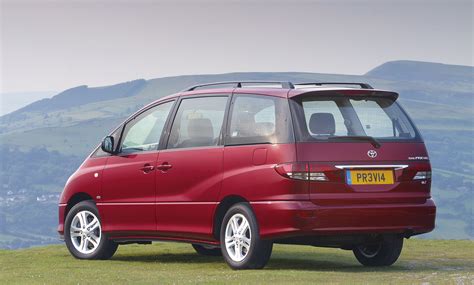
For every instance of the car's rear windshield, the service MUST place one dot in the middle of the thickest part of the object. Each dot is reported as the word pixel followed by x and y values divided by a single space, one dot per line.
pixel 341 116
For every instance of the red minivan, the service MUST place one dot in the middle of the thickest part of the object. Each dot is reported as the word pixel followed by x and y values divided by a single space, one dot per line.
pixel 234 167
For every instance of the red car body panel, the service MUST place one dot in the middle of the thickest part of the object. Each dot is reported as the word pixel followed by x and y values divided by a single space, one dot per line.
pixel 328 156
pixel 180 203
pixel 192 185
pixel 285 219
pixel 81 182
pixel 127 197
pixel 249 173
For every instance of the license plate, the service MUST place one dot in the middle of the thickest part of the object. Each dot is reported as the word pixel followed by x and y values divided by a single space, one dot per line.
pixel 369 177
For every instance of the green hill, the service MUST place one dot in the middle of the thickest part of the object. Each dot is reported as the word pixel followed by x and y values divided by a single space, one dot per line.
pixel 421 262
pixel 51 137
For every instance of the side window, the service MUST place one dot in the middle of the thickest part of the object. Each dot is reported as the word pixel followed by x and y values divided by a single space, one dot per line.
pixel 198 122
pixel 143 133
pixel 259 119
pixel 318 108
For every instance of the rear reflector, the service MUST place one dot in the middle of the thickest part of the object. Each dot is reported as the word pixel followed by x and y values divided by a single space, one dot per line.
pixel 300 171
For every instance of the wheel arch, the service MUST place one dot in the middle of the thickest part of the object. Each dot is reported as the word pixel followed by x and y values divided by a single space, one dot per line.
pixel 75 199
pixel 222 208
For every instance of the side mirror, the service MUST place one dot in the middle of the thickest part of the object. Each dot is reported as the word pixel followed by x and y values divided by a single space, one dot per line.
pixel 108 144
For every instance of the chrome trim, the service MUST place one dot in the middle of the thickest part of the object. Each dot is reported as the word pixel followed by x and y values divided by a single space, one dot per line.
pixel 396 166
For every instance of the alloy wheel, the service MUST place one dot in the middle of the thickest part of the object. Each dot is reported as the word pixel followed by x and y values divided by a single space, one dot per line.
pixel 85 232
pixel 238 237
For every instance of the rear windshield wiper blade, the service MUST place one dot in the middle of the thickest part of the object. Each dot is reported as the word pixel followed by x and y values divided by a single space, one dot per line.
pixel 372 140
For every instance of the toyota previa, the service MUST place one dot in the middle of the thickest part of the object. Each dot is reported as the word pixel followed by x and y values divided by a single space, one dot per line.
pixel 234 167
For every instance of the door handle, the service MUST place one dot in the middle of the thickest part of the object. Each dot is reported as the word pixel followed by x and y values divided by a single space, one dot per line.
pixel 165 166
pixel 147 168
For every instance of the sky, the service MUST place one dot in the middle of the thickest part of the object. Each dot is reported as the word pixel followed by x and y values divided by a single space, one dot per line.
pixel 55 45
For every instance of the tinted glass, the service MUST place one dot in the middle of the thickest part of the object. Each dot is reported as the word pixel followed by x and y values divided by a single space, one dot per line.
pixel 143 133
pixel 259 119
pixel 198 122
pixel 374 120
pixel 321 106
pixel 378 117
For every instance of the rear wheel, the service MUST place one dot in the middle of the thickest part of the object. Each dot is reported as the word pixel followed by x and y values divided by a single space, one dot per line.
pixel 383 253
pixel 241 245
pixel 207 250
pixel 83 233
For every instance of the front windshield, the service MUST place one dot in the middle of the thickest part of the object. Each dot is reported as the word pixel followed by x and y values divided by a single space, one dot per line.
pixel 342 116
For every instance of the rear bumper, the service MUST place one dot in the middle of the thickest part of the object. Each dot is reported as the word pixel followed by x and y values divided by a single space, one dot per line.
pixel 285 219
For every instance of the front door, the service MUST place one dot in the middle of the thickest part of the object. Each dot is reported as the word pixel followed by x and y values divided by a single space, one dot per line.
pixel 189 170
pixel 128 182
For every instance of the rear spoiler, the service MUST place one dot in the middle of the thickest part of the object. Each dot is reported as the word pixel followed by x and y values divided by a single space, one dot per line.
pixel 342 91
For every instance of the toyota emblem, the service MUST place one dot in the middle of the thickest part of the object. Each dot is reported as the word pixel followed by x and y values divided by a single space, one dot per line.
pixel 372 153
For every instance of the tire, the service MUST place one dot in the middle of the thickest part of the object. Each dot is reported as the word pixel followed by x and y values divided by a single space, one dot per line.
pixel 245 249
pixel 208 251
pixel 383 253
pixel 82 243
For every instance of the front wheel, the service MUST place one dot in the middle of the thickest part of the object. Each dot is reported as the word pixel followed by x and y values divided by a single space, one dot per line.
pixel 83 233
pixel 383 253
pixel 240 240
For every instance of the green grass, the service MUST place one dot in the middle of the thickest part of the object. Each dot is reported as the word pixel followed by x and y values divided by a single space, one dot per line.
pixel 421 262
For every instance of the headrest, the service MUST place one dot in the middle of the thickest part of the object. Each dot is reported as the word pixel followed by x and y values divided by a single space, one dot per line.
pixel 200 129
pixel 322 124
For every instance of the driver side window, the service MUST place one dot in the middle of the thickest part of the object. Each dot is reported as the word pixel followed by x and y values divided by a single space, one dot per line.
pixel 143 132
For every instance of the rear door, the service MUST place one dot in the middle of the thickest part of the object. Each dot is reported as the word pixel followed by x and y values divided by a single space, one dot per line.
pixel 189 170
pixel 360 149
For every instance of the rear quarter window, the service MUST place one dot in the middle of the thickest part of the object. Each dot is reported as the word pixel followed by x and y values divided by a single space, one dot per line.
pixel 257 119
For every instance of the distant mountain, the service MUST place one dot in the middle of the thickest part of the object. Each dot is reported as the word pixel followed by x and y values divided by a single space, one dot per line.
pixel 51 137
pixel 11 101
pixel 82 95
pixel 406 70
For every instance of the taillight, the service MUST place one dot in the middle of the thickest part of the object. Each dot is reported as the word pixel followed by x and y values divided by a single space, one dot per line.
pixel 317 176
pixel 300 171
pixel 422 175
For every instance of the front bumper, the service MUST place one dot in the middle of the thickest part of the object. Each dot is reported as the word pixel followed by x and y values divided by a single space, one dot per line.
pixel 286 219
pixel 62 210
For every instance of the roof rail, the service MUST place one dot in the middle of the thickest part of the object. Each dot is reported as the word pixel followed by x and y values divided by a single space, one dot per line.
pixel 284 84
pixel 238 84
pixel 362 85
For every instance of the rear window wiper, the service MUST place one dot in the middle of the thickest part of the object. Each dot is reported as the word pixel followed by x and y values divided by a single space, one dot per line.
pixel 372 140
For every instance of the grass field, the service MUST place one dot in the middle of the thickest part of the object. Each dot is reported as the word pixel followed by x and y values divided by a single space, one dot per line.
pixel 421 262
